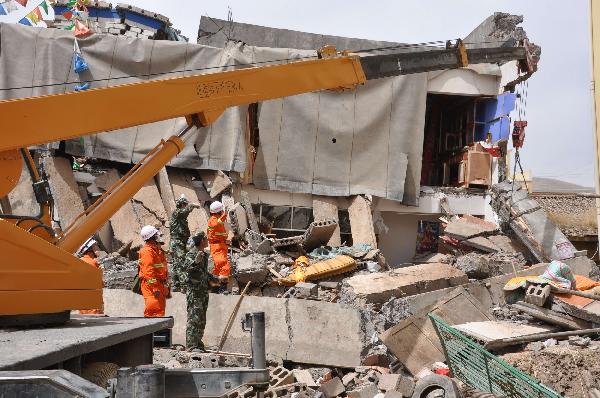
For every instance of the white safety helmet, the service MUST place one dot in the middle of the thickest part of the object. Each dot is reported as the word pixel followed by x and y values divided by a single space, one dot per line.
pixel 86 246
pixel 216 207
pixel 148 232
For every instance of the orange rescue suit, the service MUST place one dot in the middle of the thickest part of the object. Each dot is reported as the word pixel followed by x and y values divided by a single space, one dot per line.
pixel 153 275
pixel 217 237
pixel 91 261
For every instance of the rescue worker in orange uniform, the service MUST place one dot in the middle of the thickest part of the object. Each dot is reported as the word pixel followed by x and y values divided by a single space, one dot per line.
pixel 153 273
pixel 217 237
pixel 87 252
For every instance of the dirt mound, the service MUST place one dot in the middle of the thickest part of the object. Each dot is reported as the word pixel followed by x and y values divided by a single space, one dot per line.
pixel 571 371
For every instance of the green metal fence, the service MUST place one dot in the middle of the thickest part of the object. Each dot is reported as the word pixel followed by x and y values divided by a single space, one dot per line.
pixel 475 366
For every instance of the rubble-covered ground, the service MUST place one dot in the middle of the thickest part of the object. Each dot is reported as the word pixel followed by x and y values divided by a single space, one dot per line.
pixel 570 370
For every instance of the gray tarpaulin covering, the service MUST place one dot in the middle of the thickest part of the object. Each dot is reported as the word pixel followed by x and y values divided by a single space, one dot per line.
pixel 367 141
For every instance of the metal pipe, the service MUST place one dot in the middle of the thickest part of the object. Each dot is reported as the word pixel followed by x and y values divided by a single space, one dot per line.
pixel 536 337
pixel 87 225
pixel 259 356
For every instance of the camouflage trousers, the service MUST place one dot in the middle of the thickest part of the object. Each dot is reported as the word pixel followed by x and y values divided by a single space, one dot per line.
pixel 197 304
pixel 177 260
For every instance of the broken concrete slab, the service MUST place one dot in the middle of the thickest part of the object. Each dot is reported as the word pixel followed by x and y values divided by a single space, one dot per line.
pixel 64 187
pixel 481 243
pixel 300 331
pixel 524 206
pixel 407 281
pixel 361 222
pixel 552 317
pixel 316 335
pixel 489 331
pixel 414 341
pixel 150 209
pixel 332 388
pixel 181 182
pixel 504 243
pixel 465 228
pixel 326 208
pixel 489 291
pixel 252 268
pixel 318 234
pixel 216 182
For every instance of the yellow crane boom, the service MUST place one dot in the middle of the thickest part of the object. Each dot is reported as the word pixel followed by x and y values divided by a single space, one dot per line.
pixel 41 275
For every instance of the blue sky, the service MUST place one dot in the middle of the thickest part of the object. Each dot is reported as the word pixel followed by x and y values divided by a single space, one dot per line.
pixel 559 142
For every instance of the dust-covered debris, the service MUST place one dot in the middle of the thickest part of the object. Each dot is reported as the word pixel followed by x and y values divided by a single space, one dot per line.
pixel 569 370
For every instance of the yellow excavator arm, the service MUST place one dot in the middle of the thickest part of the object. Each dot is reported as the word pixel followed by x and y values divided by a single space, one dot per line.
pixel 42 275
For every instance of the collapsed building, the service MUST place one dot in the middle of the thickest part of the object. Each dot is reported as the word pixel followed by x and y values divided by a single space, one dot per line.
pixel 397 191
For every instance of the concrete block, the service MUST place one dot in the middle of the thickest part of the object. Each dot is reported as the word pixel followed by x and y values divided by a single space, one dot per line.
pixel 252 268
pixel 181 182
pixel 537 295
pixel 318 234
pixel 298 390
pixel 326 208
pixel 216 182
pixel 390 381
pixel 303 376
pixel 361 222
pixel 135 29
pixel 280 376
pixel 329 285
pixel 365 390
pixel 299 331
pixel 381 286
pixel 306 290
pixel 332 388
pixel 349 379
pixel 115 31
pixel 252 223
pixel 258 243
pixel 396 382
pixel 67 202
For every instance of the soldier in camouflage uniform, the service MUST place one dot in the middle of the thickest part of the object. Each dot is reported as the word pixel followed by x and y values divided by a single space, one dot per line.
pixel 180 233
pixel 194 274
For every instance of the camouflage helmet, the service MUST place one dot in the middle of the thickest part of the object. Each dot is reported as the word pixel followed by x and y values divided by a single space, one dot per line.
pixel 198 237
pixel 182 200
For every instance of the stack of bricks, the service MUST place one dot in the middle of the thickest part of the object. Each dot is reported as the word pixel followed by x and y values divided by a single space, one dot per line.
pixel 123 20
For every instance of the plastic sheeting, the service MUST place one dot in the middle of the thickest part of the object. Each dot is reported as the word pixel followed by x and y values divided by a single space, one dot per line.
pixel 366 141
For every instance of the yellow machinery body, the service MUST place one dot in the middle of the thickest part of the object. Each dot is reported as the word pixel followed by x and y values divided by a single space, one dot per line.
pixel 39 273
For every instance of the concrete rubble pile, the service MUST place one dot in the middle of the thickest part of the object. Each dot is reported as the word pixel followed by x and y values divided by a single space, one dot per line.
pixel 357 326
